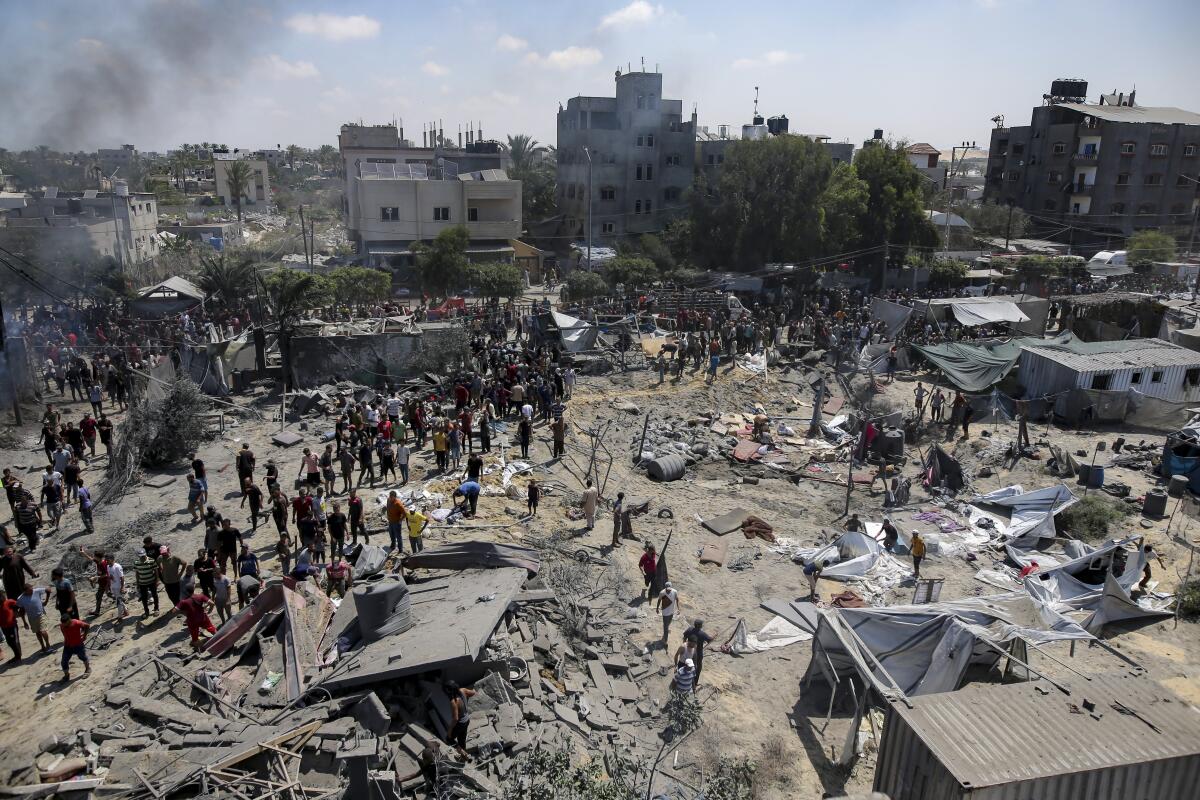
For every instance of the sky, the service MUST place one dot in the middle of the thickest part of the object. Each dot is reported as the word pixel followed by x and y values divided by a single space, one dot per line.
pixel 256 73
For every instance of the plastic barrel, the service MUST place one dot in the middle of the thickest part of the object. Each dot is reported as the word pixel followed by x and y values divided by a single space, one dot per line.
pixel 667 468
pixel 1085 473
pixel 1096 477
pixel 1177 486
pixel 1155 504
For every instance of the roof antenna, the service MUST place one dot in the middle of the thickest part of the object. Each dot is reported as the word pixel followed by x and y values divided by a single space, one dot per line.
pixel 756 101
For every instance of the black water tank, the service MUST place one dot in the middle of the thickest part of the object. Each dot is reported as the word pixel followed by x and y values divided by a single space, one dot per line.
pixel 1068 87
pixel 879 133
pixel 758 120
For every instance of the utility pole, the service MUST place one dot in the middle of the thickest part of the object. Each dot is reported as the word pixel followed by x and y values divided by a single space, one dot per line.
pixel 304 239
pixel 312 243
pixel 1008 230
pixel 12 381
pixel 112 200
pixel 588 153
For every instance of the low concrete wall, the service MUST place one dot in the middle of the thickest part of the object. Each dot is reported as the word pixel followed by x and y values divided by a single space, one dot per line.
pixel 369 359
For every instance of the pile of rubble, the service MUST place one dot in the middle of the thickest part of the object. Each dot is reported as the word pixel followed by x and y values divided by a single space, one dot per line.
pixel 296 698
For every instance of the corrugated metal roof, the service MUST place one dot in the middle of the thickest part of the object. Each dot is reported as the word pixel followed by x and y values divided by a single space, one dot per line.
pixel 1125 354
pixel 1163 115
pixel 998 734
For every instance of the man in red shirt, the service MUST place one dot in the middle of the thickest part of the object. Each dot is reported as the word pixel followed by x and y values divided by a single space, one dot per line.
pixel 8 625
pixel 73 633
pixel 648 564
pixel 195 609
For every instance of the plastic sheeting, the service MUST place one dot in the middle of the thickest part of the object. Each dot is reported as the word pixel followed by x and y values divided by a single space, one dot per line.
pixel 384 608
pixel 475 555
pixel 973 367
pixel 576 334
pixel 776 633
pixel 894 315
pixel 972 311
pixel 851 555
pixel 1032 513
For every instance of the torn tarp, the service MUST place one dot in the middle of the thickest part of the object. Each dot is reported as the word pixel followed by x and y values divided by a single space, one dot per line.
pixel 576 334
pixel 1032 513
pixel 893 315
pixel 941 467
pixel 473 555
pixel 972 311
pixel 972 367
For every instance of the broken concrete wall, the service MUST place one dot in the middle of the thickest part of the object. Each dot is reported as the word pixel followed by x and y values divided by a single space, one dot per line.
pixel 369 359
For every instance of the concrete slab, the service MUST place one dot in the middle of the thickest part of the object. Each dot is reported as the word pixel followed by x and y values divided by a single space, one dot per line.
pixel 160 481
pixel 287 438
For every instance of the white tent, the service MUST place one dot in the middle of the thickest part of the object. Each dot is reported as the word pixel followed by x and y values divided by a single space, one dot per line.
pixel 577 335
pixel 972 311
pixel 851 555
pixel 1032 513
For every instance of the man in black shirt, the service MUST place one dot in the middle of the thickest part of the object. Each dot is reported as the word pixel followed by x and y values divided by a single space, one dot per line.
pixel 337 529
pixel 702 638
pixel 245 464
pixel 201 478
pixel 228 541
pixel 365 466
pixel 474 467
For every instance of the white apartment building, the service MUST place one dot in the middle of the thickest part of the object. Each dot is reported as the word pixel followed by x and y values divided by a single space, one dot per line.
pixel 258 189
pixel 397 195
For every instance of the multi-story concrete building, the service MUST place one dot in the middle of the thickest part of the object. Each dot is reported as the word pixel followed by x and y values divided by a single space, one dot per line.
pixel 82 224
pixel 114 158
pixel 398 194
pixel 257 191
pixel 1107 168
pixel 642 158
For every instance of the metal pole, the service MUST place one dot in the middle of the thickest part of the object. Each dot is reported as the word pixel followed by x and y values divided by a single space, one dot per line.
pixel 1008 230
pixel 588 153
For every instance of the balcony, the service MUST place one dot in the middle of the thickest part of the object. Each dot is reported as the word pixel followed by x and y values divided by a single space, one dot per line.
pixel 1081 188
pixel 1085 157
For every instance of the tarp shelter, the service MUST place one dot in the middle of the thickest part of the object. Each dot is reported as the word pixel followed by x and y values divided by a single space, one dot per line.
pixel 894 315
pixel 1087 584
pixel 941 467
pixel 972 311
pixel 577 335
pixel 1031 513
pixel 171 296
pixel 851 555
pixel 972 367
pixel 924 649
pixel 1181 454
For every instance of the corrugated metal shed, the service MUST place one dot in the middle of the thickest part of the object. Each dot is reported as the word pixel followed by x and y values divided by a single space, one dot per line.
pixel 1027 740
pixel 1098 356
pixel 1161 115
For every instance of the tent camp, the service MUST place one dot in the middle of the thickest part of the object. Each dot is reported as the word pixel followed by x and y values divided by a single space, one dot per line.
pixel 1086 587
pixel 977 367
pixel 1031 514
pixel 851 555
pixel 924 649
pixel 171 296
pixel 1024 313
pixel 941 467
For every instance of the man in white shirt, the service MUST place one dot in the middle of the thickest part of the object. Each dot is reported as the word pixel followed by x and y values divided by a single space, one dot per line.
pixel 568 382
pixel 402 456
pixel 668 604
pixel 394 404
pixel 116 585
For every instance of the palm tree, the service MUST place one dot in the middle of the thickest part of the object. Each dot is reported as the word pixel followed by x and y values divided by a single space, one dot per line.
pixel 238 174
pixel 290 293
pixel 181 162
pixel 232 279
pixel 292 150
pixel 523 149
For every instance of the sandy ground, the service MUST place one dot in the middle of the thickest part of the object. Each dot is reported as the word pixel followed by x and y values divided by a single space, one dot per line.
pixel 755 705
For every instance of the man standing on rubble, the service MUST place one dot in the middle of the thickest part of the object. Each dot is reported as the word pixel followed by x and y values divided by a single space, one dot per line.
pixel 702 639
pixel 396 512
pixel 1022 423
pixel 590 498
pixel 73 631
pixel 145 571
pixel 668 606
pixel 917 549
pixel 195 608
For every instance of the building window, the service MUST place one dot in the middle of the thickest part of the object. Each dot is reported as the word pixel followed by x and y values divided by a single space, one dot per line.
pixel 711 159
pixel 1189 150
pixel 1049 205
pixel 1054 177
pixel 649 205
pixel 641 141
pixel 1123 179
pixel 671 194
pixel 641 101
pixel 1178 208
pixel 389 214
pixel 649 172
pixel 673 160
pixel 1154 179
pixel 607 227
pixel 637 176
pixel 1018 149
pixel 720 158
pixel 1192 376
pixel 1136 378
pixel 1075 208
pixel 472 214
pixel 650 140
pixel 1117 209
pixel 608 193
pixel 1156 376
pixel 570 191
pixel 441 213
pixel 1128 148
pixel 1158 150
pixel 1101 382
pixel 1013 176
pixel 637 206
pixel 651 102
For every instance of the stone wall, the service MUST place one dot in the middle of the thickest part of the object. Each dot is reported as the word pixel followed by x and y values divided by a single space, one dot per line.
pixel 368 359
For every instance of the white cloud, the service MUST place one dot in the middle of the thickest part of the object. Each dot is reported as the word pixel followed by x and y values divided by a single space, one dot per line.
pixel 435 69
pixel 90 44
pixel 771 58
pixel 567 58
pixel 335 93
pixel 333 27
pixel 636 13
pixel 277 68
pixel 510 44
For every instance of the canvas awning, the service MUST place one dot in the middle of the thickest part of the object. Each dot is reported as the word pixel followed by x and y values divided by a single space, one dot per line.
pixel 973 367
pixel 972 311
pixel 171 289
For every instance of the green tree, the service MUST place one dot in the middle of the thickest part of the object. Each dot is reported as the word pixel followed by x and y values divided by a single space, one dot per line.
pixel 991 219
pixel 291 293
pixel 497 280
pixel 237 175
pixel 359 286
pixel 442 263
pixel 292 152
pixel 584 284
pixel 226 276
pixel 630 271
pixel 524 151
pixel 767 201
pixel 843 204
pixel 677 236
pixel 947 272
pixel 895 214
pixel 657 251
pixel 1145 247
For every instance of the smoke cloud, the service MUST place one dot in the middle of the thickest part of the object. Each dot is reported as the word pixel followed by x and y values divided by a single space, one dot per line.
pixel 120 81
